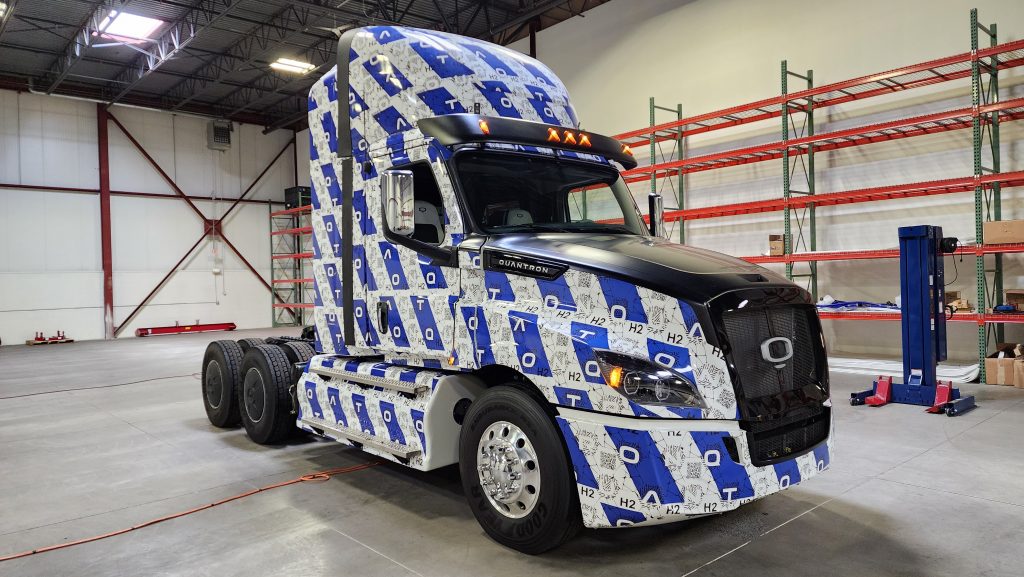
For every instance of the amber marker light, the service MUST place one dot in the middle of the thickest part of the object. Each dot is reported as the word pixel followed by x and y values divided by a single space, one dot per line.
pixel 553 135
pixel 568 138
pixel 484 128
pixel 626 149
pixel 584 140
pixel 615 377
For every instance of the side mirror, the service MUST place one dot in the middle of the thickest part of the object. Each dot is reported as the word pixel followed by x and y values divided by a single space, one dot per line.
pixel 656 210
pixel 396 186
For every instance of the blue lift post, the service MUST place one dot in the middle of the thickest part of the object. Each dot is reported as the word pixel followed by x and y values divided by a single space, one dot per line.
pixel 922 290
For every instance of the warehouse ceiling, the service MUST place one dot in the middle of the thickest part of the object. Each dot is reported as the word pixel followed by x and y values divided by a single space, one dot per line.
pixel 213 57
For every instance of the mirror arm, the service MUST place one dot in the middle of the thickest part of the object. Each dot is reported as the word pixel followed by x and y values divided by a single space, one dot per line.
pixel 656 212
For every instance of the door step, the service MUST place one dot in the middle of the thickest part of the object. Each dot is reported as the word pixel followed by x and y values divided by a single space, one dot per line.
pixel 369 380
pixel 400 451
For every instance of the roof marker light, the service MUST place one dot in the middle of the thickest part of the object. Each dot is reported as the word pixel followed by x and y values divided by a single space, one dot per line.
pixel 626 149
pixel 584 140
pixel 483 127
pixel 568 138
pixel 553 135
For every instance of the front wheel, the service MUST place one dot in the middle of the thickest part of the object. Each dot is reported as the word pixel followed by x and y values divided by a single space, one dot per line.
pixel 515 472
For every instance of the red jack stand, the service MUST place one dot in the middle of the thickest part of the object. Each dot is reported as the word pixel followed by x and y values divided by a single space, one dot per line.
pixel 883 392
pixel 943 396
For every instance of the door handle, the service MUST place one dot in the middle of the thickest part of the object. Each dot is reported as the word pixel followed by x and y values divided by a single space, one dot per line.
pixel 382 316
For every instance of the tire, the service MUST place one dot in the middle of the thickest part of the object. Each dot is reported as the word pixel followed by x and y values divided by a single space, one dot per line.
pixel 222 366
pixel 246 344
pixel 297 351
pixel 263 399
pixel 531 521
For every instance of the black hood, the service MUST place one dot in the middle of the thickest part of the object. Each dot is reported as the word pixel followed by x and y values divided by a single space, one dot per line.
pixel 693 274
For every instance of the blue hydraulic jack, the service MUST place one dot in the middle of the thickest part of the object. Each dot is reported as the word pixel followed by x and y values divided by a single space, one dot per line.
pixel 924 328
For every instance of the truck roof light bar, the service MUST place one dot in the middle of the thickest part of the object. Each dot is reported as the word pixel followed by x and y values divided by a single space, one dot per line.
pixel 452 129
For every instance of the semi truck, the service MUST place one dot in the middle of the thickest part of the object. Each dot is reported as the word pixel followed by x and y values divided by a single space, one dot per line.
pixel 489 294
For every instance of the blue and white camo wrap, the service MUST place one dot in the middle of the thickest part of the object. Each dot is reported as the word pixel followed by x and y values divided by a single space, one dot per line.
pixel 634 463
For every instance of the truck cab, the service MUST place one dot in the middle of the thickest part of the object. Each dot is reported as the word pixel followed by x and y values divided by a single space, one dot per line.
pixel 488 294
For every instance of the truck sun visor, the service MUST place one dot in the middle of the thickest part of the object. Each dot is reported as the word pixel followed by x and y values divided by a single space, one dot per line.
pixel 463 128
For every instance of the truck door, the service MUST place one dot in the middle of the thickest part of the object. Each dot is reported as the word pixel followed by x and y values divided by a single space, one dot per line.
pixel 411 278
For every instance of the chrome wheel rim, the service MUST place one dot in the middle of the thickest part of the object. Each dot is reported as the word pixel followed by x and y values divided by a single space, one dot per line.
pixel 508 469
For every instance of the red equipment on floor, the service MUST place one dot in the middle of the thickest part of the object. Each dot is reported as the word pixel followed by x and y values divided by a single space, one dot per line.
pixel 41 339
pixel 178 329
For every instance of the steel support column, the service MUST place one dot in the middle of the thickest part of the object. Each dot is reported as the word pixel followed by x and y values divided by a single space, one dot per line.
pixel 105 225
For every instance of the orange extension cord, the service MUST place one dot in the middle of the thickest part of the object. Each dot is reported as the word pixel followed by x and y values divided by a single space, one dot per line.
pixel 317 477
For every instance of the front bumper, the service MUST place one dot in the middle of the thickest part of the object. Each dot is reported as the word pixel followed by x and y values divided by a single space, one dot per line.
pixel 646 471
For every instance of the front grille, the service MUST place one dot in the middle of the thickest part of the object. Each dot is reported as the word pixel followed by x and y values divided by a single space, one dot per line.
pixel 777 427
pixel 748 329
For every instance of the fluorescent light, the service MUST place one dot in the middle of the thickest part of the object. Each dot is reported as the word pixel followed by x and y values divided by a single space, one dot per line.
pixel 289 65
pixel 3 9
pixel 128 27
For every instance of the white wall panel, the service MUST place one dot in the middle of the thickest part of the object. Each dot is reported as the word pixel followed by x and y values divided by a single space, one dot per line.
pixel 57 142
pixel 50 263
pixel 302 156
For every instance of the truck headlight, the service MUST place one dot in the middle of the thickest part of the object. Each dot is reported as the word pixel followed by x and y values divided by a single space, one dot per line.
pixel 647 383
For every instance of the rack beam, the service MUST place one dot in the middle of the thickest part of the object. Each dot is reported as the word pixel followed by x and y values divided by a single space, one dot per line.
pixel 937 122
pixel 980 319
pixel 1007 55
pixel 889 192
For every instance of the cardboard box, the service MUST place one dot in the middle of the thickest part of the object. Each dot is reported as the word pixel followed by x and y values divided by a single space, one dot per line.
pixel 1000 371
pixel 1014 297
pixel 1018 373
pixel 776 245
pixel 956 300
pixel 1003 231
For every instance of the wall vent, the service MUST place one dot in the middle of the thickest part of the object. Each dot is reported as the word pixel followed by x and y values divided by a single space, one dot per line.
pixel 218 134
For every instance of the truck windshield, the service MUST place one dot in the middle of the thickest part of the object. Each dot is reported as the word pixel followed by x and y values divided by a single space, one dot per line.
pixel 508 192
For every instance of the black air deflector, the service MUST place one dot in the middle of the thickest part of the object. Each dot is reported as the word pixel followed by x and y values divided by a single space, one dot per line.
pixel 451 129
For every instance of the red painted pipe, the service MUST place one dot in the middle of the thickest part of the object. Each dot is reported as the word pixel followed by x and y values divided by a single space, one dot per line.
pixel 178 329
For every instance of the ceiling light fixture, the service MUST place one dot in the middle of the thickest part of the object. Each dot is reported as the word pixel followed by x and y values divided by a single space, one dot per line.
pixel 294 66
pixel 3 9
pixel 128 27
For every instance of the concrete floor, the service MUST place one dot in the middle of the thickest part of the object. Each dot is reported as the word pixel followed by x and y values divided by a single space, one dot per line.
pixel 908 493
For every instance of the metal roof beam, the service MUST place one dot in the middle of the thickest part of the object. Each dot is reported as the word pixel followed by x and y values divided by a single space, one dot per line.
pixel 368 17
pixel 172 41
pixel 528 15
pixel 241 54
pixel 74 50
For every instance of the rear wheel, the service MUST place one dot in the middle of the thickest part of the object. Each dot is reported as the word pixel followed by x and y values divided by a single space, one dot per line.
pixel 246 344
pixel 297 352
pixel 264 403
pixel 515 472
pixel 221 369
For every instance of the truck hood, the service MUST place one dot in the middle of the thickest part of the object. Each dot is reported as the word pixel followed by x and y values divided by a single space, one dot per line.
pixel 694 274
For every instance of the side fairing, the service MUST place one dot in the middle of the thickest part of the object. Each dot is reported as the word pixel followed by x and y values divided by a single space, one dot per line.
pixel 549 330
